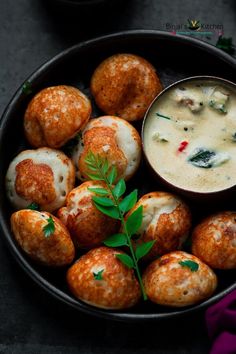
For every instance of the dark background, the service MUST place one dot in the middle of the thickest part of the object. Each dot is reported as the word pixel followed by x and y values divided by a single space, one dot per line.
pixel 31 321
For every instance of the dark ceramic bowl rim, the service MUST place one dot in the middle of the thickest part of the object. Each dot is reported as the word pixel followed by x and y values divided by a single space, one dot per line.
pixel 18 255
pixel 169 87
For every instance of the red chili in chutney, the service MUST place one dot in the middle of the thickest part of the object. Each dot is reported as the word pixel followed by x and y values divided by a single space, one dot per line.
pixel 183 146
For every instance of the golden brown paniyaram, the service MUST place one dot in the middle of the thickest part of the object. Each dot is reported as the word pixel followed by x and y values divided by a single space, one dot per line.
pixel 111 138
pixel 169 283
pixel 87 225
pixel 44 176
pixel 100 279
pixel 166 219
pixel 214 240
pixel 124 85
pixel 55 115
pixel 54 250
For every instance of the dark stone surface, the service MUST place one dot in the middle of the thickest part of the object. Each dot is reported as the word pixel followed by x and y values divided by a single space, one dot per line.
pixel 30 320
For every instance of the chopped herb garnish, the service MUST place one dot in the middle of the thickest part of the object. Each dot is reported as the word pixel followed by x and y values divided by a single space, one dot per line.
pixel 202 158
pixel 226 44
pixel 218 106
pixel 222 109
pixel 98 275
pixel 33 206
pixel 193 266
pixel 49 228
pixel 162 116
pixel 27 88
pixel 208 158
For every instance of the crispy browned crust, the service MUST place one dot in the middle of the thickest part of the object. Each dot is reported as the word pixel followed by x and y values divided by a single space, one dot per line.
pixel 214 240
pixel 168 283
pixel 118 288
pixel 94 140
pixel 55 115
pixel 125 85
pixel 170 231
pixel 55 250
pixel 35 182
pixel 87 225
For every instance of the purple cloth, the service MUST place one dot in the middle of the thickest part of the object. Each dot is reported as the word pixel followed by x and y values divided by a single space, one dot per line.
pixel 221 325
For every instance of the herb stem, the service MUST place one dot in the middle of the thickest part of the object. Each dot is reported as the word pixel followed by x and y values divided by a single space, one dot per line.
pixel 116 202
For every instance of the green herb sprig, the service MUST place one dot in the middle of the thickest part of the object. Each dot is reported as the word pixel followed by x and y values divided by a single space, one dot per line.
pixel 109 203
pixel 98 275
pixel 49 228
pixel 33 206
pixel 193 266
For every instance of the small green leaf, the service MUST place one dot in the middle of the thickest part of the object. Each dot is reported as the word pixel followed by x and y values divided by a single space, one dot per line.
pixel 129 201
pixel 134 221
pixel 27 88
pixel 33 206
pixel 143 249
pixel 112 175
pixel 193 266
pixel 99 191
pixel 116 240
pixel 90 158
pixel 126 260
pixel 103 201
pixel 105 167
pixel 92 168
pixel 95 177
pixel 98 275
pixel 120 188
pixel 49 228
pixel 109 211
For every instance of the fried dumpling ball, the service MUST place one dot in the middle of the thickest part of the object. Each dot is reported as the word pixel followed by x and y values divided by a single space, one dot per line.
pixel 111 138
pixel 44 176
pixel 214 240
pixel 55 115
pixel 100 279
pixel 125 85
pixel 54 249
pixel 178 279
pixel 87 225
pixel 166 219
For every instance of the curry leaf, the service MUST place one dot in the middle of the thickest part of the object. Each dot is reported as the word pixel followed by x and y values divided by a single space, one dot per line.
pixel 129 201
pixel 120 188
pixel 116 240
pixel 126 260
pixel 143 249
pixel 134 221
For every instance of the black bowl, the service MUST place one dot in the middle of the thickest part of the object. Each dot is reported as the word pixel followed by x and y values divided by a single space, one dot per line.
pixel 174 57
